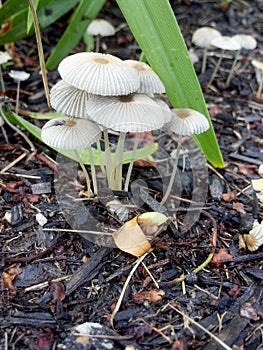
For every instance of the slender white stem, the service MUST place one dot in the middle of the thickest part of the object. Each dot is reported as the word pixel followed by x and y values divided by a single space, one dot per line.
pixel 107 154
pixel 93 171
pixel 260 86
pixel 216 69
pixel 129 172
pixel 171 182
pixel 17 96
pixel 85 173
pixel 116 175
pixel 97 43
pixel 204 61
pixel 232 69
pixel 2 79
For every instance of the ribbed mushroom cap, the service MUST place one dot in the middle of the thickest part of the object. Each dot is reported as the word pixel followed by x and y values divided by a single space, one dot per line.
pixel 247 42
pixel 99 74
pixel 100 27
pixel 69 100
pixel 203 36
pixel 226 43
pixel 133 113
pixel 70 133
pixel 150 83
pixel 186 121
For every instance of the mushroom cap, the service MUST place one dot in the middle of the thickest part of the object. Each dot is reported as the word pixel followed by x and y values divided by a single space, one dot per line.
pixel 69 100
pixel 19 75
pixel 99 74
pixel 100 27
pixel 150 83
pixel 226 43
pixel 133 113
pixel 70 133
pixel 203 36
pixel 4 57
pixel 186 121
pixel 247 42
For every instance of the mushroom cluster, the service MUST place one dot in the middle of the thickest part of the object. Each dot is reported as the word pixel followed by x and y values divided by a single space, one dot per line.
pixel 100 92
pixel 209 38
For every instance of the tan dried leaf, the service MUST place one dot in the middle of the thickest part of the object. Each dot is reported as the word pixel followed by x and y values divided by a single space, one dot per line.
pixel 152 296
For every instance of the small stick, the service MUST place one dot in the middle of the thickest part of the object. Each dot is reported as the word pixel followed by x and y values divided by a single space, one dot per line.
pixel 10 165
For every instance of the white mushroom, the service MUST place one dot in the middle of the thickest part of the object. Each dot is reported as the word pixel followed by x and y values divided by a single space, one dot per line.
pixel 185 121
pixel 69 100
pixel 99 74
pixel 132 113
pixel 150 83
pixel 223 43
pixel 18 76
pixel 247 42
pixel 202 37
pixel 70 133
pixel 100 28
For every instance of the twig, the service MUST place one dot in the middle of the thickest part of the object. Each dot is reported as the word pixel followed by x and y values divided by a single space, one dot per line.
pixel 45 284
pixel 117 307
pixel 219 341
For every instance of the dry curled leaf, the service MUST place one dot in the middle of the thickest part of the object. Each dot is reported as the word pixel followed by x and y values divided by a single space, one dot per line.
pixel 220 257
pixel 229 196
pixel 131 239
pixel 58 291
pixel 8 278
pixel 152 296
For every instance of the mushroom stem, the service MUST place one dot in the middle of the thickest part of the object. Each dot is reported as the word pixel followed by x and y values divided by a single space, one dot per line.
pixel 204 61
pixel 17 95
pixel 102 167
pixel 171 182
pixel 84 172
pixel 97 43
pixel 2 79
pixel 93 171
pixel 216 69
pixel 260 86
pixel 116 176
pixel 129 172
pixel 232 68
pixel 108 163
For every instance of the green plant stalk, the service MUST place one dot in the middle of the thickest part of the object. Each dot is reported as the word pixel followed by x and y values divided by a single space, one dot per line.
pixel 155 28
pixel 83 15
pixel 40 50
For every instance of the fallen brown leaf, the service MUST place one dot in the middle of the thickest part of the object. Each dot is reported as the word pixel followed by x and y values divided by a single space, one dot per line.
pixel 220 257
pixel 152 296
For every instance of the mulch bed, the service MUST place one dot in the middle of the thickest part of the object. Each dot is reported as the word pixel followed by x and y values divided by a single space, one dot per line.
pixel 54 279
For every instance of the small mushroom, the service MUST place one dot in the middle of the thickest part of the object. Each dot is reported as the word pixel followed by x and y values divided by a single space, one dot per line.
pixel 18 76
pixel 150 83
pixel 223 43
pixel 258 65
pixel 254 239
pixel 202 37
pixel 70 133
pixel 185 121
pixel 100 28
pixel 131 113
pixel 69 100
pixel 247 42
pixel 4 57
pixel 99 74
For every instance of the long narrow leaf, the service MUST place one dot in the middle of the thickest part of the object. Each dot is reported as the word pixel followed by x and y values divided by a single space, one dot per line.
pixel 156 30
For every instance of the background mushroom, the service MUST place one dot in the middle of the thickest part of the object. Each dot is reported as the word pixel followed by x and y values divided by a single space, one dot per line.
pixel 100 28
pixel 202 37
pixel 247 42
pixel 223 43
pixel 258 65
pixel 185 121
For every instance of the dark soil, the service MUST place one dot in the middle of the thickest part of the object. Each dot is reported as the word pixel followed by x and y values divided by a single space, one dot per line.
pixel 54 279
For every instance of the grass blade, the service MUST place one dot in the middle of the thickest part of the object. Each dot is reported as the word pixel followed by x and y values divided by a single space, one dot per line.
pixel 155 28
